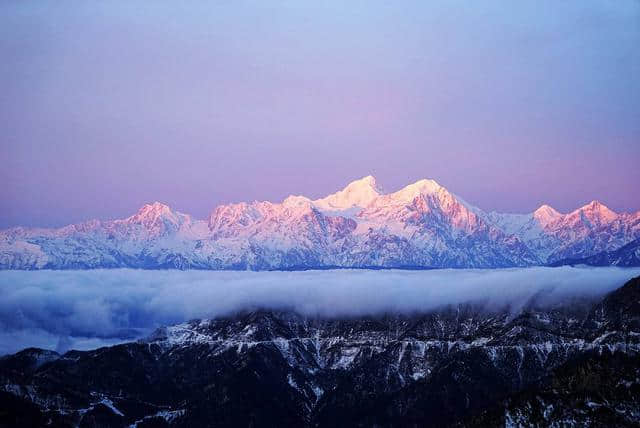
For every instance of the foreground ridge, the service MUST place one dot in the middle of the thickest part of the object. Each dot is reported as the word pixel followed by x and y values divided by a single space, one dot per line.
pixel 466 365
pixel 422 225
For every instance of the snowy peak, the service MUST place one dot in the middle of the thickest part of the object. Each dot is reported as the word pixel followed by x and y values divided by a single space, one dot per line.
pixel 600 208
pixel 419 188
pixel 152 212
pixel 157 218
pixel 234 215
pixel 421 208
pixel 358 193
pixel 408 194
pixel 546 214
pixel 595 211
pixel 369 180
pixel 297 202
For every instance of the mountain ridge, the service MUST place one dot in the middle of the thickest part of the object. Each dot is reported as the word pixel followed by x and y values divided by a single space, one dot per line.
pixel 422 224
pixel 626 256
pixel 572 363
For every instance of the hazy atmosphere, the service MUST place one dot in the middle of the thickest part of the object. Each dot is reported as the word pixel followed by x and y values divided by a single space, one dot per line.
pixel 86 309
pixel 108 105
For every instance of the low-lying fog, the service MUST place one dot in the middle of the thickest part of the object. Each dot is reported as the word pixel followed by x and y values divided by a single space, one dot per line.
pixel 86 309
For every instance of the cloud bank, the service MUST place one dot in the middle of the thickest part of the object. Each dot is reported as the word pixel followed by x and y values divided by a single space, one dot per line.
pixel 86 309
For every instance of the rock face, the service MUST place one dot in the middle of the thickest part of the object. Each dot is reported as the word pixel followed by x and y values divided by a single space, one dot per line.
pixel 567 364
pixel 422 225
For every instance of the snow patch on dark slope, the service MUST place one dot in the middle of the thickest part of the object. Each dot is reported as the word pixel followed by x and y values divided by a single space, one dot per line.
pixel 571 363
pixel 85 309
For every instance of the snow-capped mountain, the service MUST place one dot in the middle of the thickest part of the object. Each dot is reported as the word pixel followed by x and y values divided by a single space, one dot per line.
pixel 581 233
pixel 574 363
pixel 422 225
pixel 626 256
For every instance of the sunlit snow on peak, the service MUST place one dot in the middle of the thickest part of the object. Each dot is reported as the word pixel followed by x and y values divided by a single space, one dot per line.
pixel 358 193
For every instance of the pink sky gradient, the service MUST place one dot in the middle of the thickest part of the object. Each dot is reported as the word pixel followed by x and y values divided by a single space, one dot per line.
pixel 106 106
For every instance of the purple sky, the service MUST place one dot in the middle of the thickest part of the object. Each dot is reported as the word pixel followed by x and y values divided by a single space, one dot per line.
pixel 107 105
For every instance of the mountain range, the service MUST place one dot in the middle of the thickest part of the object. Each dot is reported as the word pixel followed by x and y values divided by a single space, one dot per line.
pixel 626 256
pixel 571 363
pixel 422 225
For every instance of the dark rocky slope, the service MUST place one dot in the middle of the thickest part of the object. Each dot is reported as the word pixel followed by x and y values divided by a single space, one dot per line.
pixel 470 365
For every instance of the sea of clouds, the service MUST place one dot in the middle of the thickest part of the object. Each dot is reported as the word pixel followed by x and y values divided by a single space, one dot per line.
pixel 86 309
